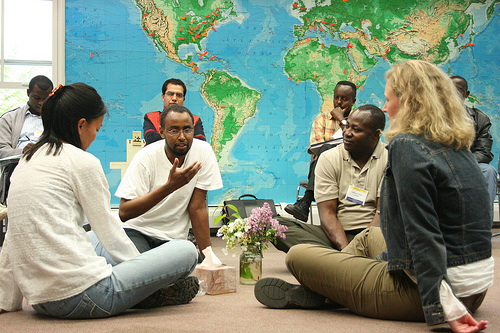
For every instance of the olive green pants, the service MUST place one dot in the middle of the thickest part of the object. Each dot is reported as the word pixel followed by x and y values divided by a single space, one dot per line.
pixel 302 233
pixel 354 280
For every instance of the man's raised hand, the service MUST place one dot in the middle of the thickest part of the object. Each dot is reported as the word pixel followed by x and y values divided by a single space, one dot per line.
pixel 180 177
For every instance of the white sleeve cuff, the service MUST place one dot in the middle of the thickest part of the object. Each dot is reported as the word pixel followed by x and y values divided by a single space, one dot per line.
pixel 452 307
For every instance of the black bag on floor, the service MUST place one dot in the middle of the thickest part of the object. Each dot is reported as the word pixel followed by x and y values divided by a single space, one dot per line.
pixel 245 207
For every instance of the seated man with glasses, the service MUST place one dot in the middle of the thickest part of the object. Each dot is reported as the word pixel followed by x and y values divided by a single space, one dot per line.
pixel 164 189
pixel 173 92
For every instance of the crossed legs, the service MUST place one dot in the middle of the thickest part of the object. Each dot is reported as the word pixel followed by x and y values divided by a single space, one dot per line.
pixel 354 280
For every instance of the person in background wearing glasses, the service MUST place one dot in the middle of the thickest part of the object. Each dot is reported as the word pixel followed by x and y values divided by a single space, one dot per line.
pixel 164 189
pixel 173 92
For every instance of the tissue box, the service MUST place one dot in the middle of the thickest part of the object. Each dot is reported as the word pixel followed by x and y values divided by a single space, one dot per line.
pixel 217 280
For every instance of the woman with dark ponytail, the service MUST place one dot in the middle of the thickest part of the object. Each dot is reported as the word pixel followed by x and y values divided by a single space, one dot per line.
pixel 47 256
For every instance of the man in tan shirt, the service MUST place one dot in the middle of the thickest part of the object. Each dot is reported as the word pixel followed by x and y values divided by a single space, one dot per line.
pixel 348 180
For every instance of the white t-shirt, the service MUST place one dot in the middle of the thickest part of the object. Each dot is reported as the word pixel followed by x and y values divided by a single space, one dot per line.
pixel 149 169
pixel 47 255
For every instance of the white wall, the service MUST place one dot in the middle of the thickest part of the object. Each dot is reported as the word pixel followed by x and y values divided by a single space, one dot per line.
pixel 280 210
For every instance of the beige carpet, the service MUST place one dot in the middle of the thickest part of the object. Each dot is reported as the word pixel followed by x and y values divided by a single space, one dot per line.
pixel 240 312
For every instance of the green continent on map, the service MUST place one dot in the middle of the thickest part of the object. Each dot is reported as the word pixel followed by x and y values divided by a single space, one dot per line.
pixel 412 27
pixel 173 23
pixel 232 103
pixel 325 65
pixel 396 30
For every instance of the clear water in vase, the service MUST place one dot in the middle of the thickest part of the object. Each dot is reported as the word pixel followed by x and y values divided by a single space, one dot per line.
pixel 250 265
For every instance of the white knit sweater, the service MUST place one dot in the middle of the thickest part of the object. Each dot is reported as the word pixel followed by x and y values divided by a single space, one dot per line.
pixel 47 255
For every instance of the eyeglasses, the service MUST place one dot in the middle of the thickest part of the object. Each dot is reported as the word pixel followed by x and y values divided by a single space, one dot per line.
pixel 171 94
pixel 175 131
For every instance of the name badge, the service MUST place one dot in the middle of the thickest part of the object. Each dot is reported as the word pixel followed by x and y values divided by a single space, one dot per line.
pixel 356 195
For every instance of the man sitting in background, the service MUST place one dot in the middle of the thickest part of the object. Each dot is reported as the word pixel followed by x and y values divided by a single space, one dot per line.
pixel 481 147
pixel 173 92
pixel 22 127
pixel 323 129
pixel 347 188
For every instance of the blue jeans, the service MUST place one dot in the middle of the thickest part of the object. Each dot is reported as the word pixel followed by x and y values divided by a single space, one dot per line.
pixel 490 174
pixel 130 282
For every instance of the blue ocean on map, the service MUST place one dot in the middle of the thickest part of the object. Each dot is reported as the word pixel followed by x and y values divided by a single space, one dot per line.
pixel 107 48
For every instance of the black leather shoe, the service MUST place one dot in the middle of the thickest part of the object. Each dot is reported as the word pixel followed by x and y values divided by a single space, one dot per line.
pixel 278 294
pixel 299 210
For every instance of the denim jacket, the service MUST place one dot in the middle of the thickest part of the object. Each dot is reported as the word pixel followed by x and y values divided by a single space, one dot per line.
pixel 435 213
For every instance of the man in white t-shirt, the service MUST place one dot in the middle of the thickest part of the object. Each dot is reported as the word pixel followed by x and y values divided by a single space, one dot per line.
pixel 164 189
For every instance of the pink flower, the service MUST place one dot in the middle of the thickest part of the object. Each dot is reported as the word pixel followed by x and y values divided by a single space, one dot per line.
pixel 260 228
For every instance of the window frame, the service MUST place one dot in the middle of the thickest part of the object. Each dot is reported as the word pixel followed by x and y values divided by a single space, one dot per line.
pixel 58 48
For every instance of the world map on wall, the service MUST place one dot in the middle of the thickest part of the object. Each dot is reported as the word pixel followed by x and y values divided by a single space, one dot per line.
pixel 259 72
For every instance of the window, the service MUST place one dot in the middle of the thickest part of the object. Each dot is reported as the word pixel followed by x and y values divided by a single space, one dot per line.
pixel 31 43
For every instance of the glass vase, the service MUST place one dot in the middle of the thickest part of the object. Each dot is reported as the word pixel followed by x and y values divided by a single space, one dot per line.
pixel 251 265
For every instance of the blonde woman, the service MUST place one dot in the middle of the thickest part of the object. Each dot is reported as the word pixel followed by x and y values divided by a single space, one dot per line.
pixel 435 217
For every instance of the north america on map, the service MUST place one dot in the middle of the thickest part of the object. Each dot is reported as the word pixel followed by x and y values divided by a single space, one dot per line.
pixel 258 72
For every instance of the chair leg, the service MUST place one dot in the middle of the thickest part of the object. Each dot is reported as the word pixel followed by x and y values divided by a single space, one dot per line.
pixel 498 194
pixel 303 185
pixel 2 231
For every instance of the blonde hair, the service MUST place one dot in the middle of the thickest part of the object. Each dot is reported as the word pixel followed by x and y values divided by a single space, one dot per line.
pixel 429 104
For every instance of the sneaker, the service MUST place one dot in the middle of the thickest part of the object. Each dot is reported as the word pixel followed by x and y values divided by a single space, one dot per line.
pixel 299 210
pixel 278 294
pixel 181 292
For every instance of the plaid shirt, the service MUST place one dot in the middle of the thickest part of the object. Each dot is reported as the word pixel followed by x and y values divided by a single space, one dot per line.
pixel 323 128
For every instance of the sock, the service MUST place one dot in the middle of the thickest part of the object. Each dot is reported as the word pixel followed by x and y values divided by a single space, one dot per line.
pixel 308 196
